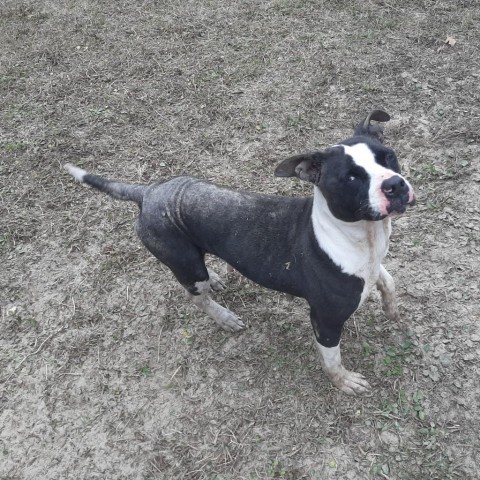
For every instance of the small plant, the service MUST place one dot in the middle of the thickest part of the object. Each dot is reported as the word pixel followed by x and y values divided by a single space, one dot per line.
pixel 398 407
pixel 382 470
pixel 296 122
pixel 146 371
pixel 393 363
pixel 390 408
pixel 7 80
pixel 14 146
pixel 396 357
pixel 187 336
pixel 431 430
pixel 403 406
pixel 417 398
pixel 430 168
pixel 275 470
pixel 366 350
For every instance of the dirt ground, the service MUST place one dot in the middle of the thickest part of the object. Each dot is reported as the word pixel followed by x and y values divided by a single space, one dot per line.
pixel 107 372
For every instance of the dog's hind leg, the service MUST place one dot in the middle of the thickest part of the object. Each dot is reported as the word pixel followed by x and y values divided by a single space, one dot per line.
pixel 186 261
pixel 191 277
pixel 223 317
pixel 216 282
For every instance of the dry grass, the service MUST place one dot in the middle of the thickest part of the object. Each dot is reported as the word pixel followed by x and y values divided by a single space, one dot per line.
pixel 106 372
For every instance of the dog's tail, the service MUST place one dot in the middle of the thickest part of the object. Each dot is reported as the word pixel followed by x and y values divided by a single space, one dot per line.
pixel 375 131
pixel 120 191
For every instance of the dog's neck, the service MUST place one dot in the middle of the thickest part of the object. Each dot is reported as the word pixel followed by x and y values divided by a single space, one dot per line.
pixel 357 247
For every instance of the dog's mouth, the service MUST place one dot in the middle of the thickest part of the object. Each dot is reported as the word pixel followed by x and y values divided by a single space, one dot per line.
pixel 399 205
pixel 394 207
pixel 397 211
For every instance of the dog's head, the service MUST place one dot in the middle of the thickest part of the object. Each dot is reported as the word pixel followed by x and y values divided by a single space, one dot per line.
pixel 359 178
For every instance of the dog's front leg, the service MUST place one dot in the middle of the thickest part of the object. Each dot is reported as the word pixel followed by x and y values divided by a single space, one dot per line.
pixel 327 343
pixel 349 382
pixel 386 285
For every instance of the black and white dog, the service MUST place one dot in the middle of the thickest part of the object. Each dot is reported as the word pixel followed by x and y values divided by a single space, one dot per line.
pixel 327 249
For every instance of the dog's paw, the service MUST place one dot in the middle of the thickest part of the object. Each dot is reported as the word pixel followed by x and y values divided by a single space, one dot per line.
pixel 351 383
pixel 216 283
pixel 391 312
pixel 229 321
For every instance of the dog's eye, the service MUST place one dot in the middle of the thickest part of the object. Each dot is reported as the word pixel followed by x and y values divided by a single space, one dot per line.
pixel 381 160
pixel 354 174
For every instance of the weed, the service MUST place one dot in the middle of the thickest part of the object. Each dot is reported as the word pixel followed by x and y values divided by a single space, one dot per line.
pixel 383 470
pixel 14 146
pixel 417 398
pixel 402 406
pixel 390 407
pixel 396 357
pixel 260 127
pixel 7 80
pixel 367 350
pixel 371 88
pixel 296 122
pixel 187 336
pixel 399 407
pixel 275 470
pixel 146 371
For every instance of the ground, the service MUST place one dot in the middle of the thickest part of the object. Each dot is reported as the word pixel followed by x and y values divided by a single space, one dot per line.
pixel 106 370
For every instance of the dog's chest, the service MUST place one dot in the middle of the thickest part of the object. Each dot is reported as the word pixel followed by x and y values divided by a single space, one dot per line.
pixel 370 255
pixel 356 248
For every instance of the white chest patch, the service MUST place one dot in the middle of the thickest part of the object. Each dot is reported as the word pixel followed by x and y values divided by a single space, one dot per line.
pixel 358 248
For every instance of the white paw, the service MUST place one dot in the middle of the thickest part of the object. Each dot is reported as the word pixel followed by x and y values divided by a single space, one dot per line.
pixel 229 321
pixel 216 283
pixel 351 383
pixel 391 311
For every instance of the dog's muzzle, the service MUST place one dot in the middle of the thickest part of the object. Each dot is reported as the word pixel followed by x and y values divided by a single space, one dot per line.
pixel 398 193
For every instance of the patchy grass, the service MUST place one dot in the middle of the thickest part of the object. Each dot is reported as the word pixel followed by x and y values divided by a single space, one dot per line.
pixel 105 370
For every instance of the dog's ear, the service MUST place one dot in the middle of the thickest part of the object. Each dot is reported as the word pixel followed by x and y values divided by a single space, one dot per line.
pixel 306 166
pixel 375 131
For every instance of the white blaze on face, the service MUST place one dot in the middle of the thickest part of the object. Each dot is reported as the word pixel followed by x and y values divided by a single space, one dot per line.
pixel 364 157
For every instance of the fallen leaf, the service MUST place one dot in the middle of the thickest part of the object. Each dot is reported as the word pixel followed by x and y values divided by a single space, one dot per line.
pixel 451 41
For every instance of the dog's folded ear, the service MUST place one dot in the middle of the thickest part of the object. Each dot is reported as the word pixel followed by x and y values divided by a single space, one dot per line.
pixel 306 166
pixel 375 131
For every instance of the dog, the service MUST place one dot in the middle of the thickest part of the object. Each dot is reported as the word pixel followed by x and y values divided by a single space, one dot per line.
pixel 327 249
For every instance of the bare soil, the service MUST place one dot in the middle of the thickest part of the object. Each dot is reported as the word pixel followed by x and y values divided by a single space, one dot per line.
pixel 106 370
